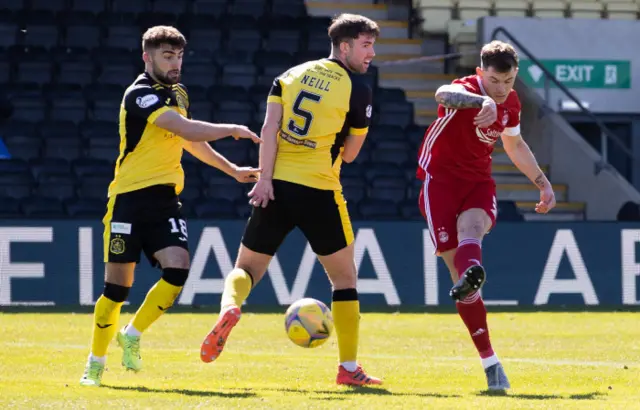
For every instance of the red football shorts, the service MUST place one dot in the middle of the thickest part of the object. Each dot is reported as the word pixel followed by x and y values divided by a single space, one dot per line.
pixel 441 202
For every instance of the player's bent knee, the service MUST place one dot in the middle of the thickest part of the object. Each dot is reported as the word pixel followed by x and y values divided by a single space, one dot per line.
pixel 473 223
pixel 341 268
pixel 173 257
pixel 115 292
pixel 175 276
pixel 252 262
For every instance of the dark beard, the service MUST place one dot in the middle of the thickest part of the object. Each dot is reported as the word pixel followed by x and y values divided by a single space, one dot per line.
pixel 164 78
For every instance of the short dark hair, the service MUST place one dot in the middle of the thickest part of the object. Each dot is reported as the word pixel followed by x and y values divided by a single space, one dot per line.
pixel 499 55
pixel 158 35
pixel 347 27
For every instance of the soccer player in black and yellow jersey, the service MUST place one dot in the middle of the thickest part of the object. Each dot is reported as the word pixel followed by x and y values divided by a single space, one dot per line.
pixel 143 210
pixel 318 115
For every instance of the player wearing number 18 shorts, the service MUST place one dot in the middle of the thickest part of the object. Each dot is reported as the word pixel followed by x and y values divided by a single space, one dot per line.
pixel 458 197
pixel 143 210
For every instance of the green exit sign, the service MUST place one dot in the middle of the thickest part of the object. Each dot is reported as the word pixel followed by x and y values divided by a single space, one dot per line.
pixel 579 73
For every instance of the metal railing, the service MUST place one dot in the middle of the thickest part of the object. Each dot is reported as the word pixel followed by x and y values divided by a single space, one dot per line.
pixel 605 132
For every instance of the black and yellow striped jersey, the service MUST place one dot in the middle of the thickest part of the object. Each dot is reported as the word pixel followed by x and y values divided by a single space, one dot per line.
pixel 323 102
pixel 149 155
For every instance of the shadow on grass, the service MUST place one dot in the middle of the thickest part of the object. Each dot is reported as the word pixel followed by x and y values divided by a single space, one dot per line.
pixel 583 396
pixel 359 390
pixel 186 392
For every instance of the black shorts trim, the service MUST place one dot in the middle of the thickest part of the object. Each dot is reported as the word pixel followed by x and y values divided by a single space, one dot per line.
pixel 146 220
pixel 321 215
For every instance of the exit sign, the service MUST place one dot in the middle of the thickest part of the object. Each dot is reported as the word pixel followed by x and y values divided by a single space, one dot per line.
pixel 579 73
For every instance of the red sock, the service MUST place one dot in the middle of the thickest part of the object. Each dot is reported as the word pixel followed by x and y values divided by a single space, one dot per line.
pixel 474 315
pixel 469 253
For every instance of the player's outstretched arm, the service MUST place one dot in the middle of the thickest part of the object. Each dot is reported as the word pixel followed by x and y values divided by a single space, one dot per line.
pixel 198 131
pixel 520 153
pixel 262 192
pixel 205 153
pixel 455 96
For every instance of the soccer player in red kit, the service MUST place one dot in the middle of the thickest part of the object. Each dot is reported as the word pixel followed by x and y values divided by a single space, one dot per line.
pixel 458 197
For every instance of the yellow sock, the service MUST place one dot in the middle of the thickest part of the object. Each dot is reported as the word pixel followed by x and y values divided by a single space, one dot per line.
pixel 160 298
pixel 105 317
pixel 346 319
pixel 236 288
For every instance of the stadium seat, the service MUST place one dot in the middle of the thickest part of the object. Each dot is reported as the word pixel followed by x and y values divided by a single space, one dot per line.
pixel 230 192
pixel 409 210
pixel 175 7
pixel 64 148
pixel 23 147
pixel 94 6
pixel 85 207
pixel 85 167
pixel 253 8
pixel 9 208
pixel 283 40
pixel 49 166
pixel 354 189
pixel 39 207
pixel 549 8
pixel 105 110
pixel 41 35
pixel 121 74
pixel 58 186
pixel 5 70
pixel 395 113
pixel 130 6
pixel 205 39
pixel 388 189
pixel 220 208
pixel 14 5
pixel 473 9
pixel 511 8
pixel 210 7
pixel 75 72
pixel 69 109
pixel 585 9
pixel 123 37
pixel 54 6
pixel 242 75
pixel 31 109
pixel 8 34
pixel 375 171
pixel 204 75
pixel 191 193
pixel 436 14
pixel 397 156
pixel 13 166
pixel 201 110
pixel 36 72
pixel 289 8
pixel 83 36
pixel 622 11
pixel 508 211
pixel 95 187
pixel 378 209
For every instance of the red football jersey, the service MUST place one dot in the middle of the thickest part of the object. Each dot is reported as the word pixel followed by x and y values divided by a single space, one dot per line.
pixel 454 147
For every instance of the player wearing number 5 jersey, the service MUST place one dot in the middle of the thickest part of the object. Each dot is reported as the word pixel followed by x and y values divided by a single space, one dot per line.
pixel 458 197
pixel 144 211
pixel 318 116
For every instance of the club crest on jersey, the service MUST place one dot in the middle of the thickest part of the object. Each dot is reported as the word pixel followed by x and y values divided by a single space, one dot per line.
pixel 117 246
pixel 443 236
pixel 505 119
pixel 181 102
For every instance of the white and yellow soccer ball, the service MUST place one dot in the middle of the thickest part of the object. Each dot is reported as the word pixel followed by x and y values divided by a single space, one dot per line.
pixel 308 322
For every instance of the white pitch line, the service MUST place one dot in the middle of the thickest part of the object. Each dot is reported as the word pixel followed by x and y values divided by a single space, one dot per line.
pixel 547 362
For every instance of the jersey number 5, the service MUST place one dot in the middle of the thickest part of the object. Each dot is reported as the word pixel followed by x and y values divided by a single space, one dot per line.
pixel 304 114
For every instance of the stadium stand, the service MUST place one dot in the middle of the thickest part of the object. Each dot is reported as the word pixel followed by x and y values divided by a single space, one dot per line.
pixel 64 65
